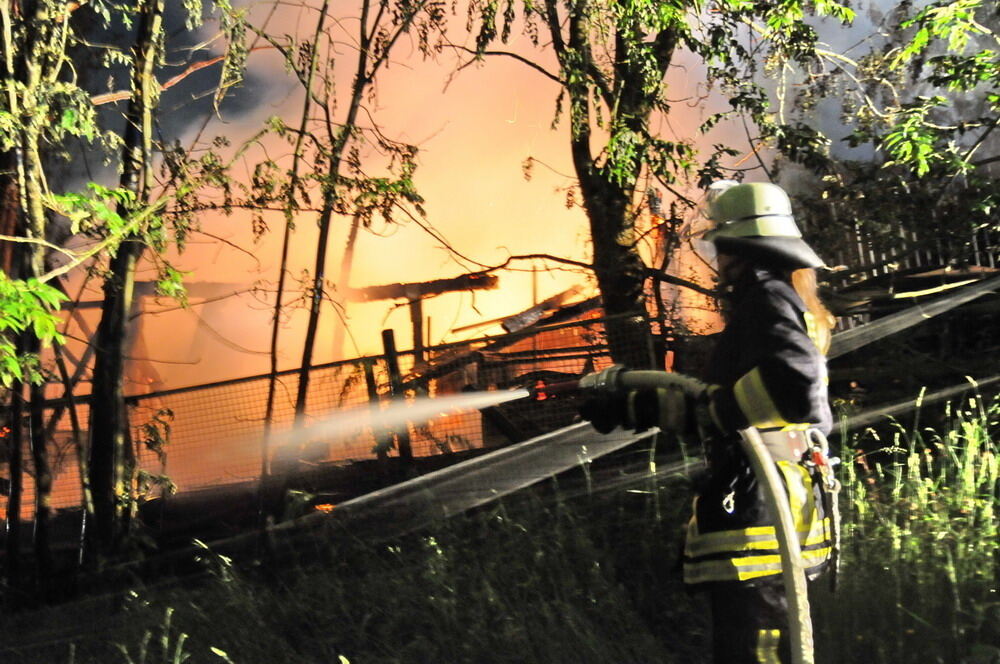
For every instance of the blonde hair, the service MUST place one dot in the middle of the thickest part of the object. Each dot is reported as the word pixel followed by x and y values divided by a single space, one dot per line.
pixel 819 319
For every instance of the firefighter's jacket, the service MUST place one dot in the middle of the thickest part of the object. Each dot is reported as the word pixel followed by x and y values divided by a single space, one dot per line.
pixel 766 372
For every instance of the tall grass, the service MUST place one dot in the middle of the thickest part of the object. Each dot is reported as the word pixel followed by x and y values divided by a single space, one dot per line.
pixel 559 574
pixel 572 573
pixel 921 555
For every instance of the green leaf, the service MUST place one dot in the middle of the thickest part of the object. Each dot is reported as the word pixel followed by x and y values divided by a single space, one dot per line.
pixel 68 120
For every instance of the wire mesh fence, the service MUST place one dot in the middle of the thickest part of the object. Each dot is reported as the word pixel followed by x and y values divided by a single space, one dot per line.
pixel 216 432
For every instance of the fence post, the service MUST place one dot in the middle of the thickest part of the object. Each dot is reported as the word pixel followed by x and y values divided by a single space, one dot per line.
pixel 382 442
pixel 396 394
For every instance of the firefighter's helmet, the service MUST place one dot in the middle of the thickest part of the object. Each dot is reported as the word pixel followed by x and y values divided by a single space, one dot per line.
pixel 754 221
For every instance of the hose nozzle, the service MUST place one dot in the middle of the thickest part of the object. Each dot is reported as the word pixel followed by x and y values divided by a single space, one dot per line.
pixel 542 391
pixel 605 381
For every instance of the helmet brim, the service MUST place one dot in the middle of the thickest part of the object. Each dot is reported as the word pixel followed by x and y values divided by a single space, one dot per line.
pixel 785 253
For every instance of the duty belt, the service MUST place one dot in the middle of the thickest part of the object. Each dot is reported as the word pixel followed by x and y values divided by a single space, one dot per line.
pixel 790 445
pixel 810 448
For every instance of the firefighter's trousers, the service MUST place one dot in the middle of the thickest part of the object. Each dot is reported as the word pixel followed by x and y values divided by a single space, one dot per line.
pixel 750 623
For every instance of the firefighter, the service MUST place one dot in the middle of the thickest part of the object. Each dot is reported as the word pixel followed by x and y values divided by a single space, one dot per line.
pixel 768 371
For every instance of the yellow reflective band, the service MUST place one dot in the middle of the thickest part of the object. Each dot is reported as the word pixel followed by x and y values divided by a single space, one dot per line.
pixel 819 533
pixel 801 426
pixel 730 541
pixel 777 225
pixel 725 570
pixel 757 566
pixel 746 568
pixel 817 556
pixel 800 499
pixel 760 538
pixel 756 403
pixel 811 328
pixel 767 646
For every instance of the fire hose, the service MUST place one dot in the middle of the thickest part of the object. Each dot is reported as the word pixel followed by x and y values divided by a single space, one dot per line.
pixel 617 380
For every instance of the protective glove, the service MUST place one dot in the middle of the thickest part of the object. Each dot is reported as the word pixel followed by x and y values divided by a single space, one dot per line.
pixel 637 410
pixel 673 402
pixel 604 411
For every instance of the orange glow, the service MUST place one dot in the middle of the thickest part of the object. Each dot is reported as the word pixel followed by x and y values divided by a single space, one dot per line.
pixel 540 394
pixel 474 129
pixel 324 507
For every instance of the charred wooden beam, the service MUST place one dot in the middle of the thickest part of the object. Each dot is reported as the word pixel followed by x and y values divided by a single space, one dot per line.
pixel 415 291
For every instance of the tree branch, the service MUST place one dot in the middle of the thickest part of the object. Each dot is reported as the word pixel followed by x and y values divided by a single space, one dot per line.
pixel 38 241
pixel 520 58
pixel 660 275
pixel 121 95
pixel 649 272
pixel 231 244
pixel 531 257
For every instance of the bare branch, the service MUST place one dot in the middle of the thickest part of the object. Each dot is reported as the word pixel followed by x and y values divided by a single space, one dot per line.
pixel 38 241
pixel 660 275
pixel 232 244
pixel 122 95
pixel 520 58
pixel 199 303
pixel 648 271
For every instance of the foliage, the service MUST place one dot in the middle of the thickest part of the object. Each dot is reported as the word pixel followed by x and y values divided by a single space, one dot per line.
pixel 921 109
pixel 331 169
pixel 46 110
pixel 613 60
pixel 153 436
pixel 330 152
pixel 25 305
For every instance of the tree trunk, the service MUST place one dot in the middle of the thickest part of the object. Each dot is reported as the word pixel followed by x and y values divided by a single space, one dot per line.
pixel 620 275
pixel 297 156
pixel 79 445
pixel 41 542
pixel 316 301
pixel 11 223
pixel 607 196
pixel 15 445
pixel 617 265
pixel 109 414
pixel 9 207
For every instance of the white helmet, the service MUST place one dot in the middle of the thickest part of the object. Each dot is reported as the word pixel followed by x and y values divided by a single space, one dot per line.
pixel 755 221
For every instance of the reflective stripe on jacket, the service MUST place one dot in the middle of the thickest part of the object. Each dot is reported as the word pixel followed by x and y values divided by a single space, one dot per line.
pixel 744 554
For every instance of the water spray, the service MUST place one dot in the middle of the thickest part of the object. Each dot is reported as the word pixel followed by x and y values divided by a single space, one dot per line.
pixel 398 414
pixel 616 380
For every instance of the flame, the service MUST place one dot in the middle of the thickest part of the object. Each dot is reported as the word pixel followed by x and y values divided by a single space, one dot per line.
pixel 540 394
